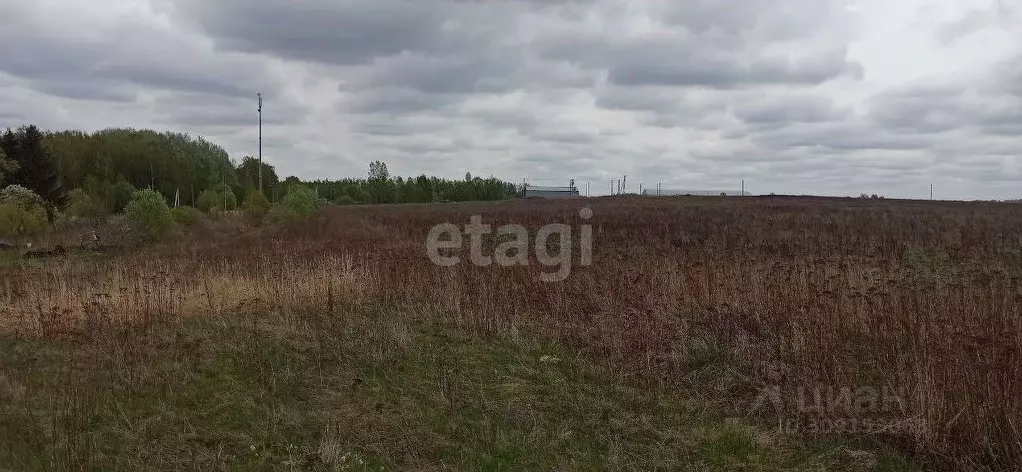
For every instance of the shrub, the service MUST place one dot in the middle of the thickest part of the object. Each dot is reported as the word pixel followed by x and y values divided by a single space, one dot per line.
pixel 22 196
pixel 209 201
pixel 282 214
pixel 225 193
pixel 302 200
pixel 186 215
pixel 215 199
pixel 345 200
pixel 256 203
pixel 17 220
pixel 22 212
pixel 82 205
pixel 149 214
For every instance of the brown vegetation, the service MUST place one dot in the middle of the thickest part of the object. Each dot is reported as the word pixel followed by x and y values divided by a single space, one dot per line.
pixel 919 298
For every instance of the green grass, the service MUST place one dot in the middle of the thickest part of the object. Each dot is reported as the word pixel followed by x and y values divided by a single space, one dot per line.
pixel 360 390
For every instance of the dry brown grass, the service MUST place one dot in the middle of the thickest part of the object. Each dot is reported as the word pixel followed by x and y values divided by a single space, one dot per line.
pixel 921 298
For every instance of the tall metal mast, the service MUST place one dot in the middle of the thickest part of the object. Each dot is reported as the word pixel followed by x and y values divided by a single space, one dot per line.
pixel 260 96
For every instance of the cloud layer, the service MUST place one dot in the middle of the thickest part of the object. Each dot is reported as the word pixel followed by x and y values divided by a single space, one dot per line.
pixel 836 97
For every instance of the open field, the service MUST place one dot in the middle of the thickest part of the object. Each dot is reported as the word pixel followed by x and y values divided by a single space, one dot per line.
pixel 291 347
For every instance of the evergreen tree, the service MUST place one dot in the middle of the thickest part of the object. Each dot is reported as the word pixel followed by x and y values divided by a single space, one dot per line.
pixel 37 170
pixel 7 166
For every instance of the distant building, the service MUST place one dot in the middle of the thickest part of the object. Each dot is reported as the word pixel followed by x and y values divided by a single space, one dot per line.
pixel 551 192
pixel 665 192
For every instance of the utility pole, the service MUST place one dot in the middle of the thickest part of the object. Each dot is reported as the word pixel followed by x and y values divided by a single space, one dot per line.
pixel 260 97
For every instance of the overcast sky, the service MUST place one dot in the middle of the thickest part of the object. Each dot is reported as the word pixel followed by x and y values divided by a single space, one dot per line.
pixel 833 97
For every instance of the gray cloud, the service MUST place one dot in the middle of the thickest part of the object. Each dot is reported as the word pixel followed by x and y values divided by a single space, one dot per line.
pixel 73 63
pixel 795 96
pixel 338 32
pixel 709 69
pixel 787 108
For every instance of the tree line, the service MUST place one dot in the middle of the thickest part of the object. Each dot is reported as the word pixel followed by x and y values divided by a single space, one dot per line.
pixel 380 187
pixel 101 171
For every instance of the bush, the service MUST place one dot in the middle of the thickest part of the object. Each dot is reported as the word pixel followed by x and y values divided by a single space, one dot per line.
pixel 186 215
pixel 345 200
pixel 22 212
pixel 82 205
pixel 214 199
pixel 22 196
pixel 224 191
pixel 302 200
pixel 17 220
pixel 149 214
pixel 256 203
pixel 281 214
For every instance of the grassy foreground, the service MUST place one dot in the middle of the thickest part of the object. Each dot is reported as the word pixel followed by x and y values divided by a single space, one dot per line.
pixel 359 389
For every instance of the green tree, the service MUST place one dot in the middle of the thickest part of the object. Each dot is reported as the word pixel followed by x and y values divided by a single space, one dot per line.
pixel 378 171
pixel 36 168
pixel 248 177
pixel 7 166
pixel 149 214
pixel 122 192
pixel 168 162
pixel 81 204
pixel 218 198
pixel 302 200
pixel 256 203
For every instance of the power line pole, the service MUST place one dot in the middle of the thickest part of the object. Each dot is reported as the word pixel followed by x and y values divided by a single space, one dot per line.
pixel 260 96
